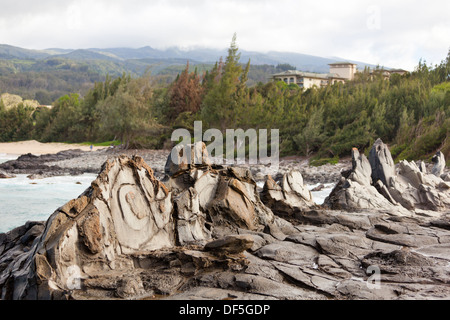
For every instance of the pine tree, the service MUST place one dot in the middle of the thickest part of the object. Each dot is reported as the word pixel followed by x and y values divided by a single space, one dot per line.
pixel 220 105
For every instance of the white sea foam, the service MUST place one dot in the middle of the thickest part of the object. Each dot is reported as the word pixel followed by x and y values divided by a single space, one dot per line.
pixel 6 157
pixel 319 196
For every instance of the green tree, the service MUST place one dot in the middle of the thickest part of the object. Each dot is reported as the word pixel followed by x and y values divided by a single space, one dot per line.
pixel 126 114
pixel 65 123
pixel 312 135
pixel 219 107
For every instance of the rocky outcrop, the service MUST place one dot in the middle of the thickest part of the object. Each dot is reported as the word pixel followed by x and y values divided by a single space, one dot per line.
pixel 226 198
pixel 356 191
pixel 288 196
pixel 381 162
pixel 185 157
pixel 204 232
pixel 40 165
pixel 127 212
pixel 381 185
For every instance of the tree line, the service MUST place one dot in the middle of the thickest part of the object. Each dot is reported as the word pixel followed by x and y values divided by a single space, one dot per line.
pixel 410 112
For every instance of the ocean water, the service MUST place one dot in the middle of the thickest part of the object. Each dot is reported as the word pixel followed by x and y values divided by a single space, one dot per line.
pixel 22 199
pixel 319 196
pixel 6 157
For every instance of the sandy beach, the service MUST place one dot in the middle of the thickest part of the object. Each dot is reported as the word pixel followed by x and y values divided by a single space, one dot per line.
pixel 38 148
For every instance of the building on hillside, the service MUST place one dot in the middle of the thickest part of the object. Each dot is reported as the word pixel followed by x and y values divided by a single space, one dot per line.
pixel 397 71
pixel 339 72
pixel 385 73
pixel 344 69
pixel 308 80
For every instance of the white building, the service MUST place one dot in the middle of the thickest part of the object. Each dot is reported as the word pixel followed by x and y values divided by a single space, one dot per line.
pixel 339 72
pixel 308 79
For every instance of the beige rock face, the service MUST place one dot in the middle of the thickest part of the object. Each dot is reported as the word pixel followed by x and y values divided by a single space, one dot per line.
pixel 125 210
pixel 287 197
pixel 184 157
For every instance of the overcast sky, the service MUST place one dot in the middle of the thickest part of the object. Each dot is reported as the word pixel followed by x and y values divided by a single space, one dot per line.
pixel 394 33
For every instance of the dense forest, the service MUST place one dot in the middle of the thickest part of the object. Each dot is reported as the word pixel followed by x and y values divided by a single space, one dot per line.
pixel 410 112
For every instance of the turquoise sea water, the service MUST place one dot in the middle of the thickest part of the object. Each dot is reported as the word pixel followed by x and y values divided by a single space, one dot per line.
pixel 22 199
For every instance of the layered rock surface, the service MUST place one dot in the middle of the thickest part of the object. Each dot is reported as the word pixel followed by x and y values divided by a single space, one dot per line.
pixel 204 232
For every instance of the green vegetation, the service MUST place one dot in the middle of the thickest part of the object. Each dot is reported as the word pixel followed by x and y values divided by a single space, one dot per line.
pixel 103 144
pixel 317 162
pixel 411 112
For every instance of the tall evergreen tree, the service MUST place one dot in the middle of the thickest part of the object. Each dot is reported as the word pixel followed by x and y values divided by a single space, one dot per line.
pixel 220 103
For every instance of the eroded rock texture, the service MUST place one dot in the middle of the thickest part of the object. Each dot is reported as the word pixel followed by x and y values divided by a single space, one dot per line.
pixel 404 190
pixel 126 210
pixel 288 196
pixel 204 232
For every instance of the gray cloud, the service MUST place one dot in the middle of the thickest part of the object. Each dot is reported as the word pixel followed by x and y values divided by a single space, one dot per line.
pixel 381 32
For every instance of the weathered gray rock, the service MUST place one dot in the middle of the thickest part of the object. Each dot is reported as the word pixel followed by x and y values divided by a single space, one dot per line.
pixel 422 166
pixel 287 197
pixel 414 189
pixel 361 169
pixel 204 233
pixel 230 244
pixel 124 211
pixel 237 204
pixel 357 192
pixel 409 188
pixel 191 221
pixel 184 157
pixel 382 164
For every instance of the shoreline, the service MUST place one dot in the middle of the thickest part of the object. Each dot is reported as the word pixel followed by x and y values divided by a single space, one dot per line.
pixel 38 148
pixel 74 162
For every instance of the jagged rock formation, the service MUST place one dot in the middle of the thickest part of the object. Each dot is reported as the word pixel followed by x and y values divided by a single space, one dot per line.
pixel 289 196
pixel 205 233
pixel 125 212
pixel 381 163
pixel 183 158
pixel 356 190
pixel 402 190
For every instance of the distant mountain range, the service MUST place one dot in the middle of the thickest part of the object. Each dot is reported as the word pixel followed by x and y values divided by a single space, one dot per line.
pixel 46 75
pixel 173 56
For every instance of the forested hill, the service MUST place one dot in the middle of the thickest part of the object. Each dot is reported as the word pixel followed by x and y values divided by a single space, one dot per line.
pixel 46 75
